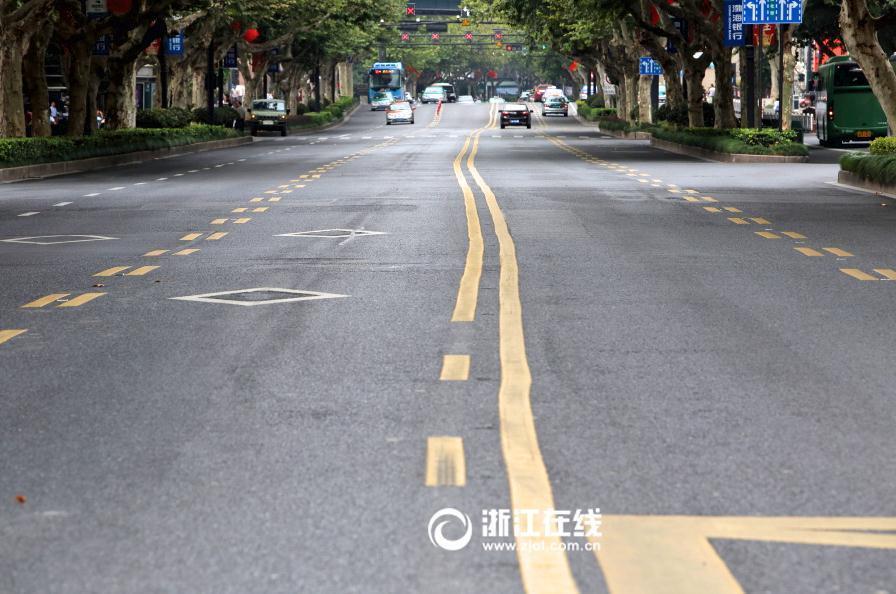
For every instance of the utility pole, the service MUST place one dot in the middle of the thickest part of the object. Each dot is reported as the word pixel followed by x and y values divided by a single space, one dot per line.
pixel 163 70
pixel 748 99
pixel 781 97
pixel 210 82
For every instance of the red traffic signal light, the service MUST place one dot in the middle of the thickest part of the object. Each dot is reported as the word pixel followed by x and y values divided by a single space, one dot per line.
pixel 468 36
pixel 405 36
pixel 508 47
pixel 435 36
pixel 498 36
pixel 411 10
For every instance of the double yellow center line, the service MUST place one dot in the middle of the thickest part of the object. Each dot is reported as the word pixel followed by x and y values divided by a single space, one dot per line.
pixel 544 566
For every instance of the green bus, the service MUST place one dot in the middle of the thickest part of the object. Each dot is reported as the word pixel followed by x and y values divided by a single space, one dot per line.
pixel 845 107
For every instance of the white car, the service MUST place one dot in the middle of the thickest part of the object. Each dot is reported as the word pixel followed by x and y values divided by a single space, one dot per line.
pixel 465 99
pixel 381 100
pixel 400 111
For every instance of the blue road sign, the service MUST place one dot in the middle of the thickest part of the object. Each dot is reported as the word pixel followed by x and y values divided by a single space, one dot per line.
pixel 647 66
pixel 174 45
pixel 772 12
pixel 101 47
pixel 230 58
pixel 734 23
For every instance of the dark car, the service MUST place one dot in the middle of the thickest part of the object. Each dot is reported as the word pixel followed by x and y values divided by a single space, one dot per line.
pixel 268 114
pixel 516 114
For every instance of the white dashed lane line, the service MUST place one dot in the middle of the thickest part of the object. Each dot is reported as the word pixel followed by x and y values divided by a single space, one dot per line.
pixel 62 204
pixel 91 195
pixel 28 214
pixel 116 188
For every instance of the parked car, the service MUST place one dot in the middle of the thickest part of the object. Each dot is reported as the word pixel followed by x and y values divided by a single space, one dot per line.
pixel 516 114
pixel 268 114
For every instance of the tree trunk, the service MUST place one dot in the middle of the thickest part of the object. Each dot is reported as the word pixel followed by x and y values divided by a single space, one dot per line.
pixel 34 82
pixel 694 78
pixel 723 101
pixel 645 106
pixel 12 102
pixel 98 71
pixel 121 104
pixel 77 73
pixel 860 35
pixel 631 96
pixel 789 65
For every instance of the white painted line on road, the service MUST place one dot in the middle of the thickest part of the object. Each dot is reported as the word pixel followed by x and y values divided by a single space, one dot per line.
pixel 178 175
pixel 304 296
pixel 62 204
pixel 29 214
pixel 219 165
pixel 59 238
pixel 241 160
pixel 161 178
pixel 91 195
pixel 332 233
pixel 193 171
pixel 116 188
pixel 140 184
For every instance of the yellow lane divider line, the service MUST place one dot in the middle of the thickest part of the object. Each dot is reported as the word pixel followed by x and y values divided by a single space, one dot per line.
pixel 7 335
pixel 445 463
pixel 112 271
pixel 455 368
pixel 543 564
pixel 858 274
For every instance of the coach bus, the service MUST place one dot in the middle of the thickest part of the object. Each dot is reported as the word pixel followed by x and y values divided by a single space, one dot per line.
pixel 845 106
pixel 385 79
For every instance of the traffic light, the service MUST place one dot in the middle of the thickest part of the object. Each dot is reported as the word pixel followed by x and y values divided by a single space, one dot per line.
pixel 411 9
pixel 468 36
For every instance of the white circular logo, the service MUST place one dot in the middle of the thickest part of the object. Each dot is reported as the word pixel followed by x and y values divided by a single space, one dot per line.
pixel 437 524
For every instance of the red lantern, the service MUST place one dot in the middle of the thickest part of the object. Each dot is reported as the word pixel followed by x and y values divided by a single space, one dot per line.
pixel 119 7
pixel 251 35
pixel 236 26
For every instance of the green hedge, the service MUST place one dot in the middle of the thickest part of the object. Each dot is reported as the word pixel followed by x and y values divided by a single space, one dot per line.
pixel 722 141
pixel 331 113
pixel 223 116
pixel 883 146
pixel 590 113
pixel 879 168
pixel 28 151
pixel 174 117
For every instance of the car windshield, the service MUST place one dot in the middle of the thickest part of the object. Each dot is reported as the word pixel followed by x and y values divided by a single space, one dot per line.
pixel 555 103
pixel 404 106
pixel 268 106
pixel 849 75
pixel 433 91
pixel 515 107
pixel 382 97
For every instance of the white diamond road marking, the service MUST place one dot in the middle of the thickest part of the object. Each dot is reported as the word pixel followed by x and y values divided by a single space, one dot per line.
pixel 332 233
pixel 34 240
pixel 29 214
pixel 303 296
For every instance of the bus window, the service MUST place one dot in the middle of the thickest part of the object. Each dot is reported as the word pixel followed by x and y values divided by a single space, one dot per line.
pixel 849 75
pixel 385 79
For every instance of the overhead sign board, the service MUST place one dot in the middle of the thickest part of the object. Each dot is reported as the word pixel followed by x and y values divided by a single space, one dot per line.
pixel 647 66
pixel 774 12
pixel 96 7
pixel 734 23
pixel 435 8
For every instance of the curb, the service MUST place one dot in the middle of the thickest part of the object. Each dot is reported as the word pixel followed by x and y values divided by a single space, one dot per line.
pixel 42 170
pixel 848 178
pixel 693 151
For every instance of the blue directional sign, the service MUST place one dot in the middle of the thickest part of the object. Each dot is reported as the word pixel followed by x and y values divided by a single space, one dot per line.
pixel 734 23
pixel 647 66
pixel 230 58
pixel 174 45
pixel 772 12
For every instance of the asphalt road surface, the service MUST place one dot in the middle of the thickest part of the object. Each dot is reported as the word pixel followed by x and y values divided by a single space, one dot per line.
pixel 691 362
